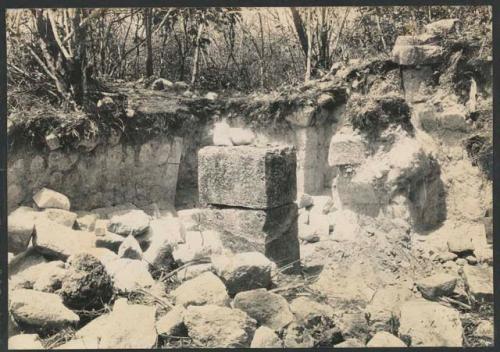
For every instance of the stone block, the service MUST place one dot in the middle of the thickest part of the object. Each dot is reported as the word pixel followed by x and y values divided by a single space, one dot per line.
pixel 21 225
pixel 442 27
pixel 421 39
pixel 250 177
pixel 346 148
pixel 479 283
pixel 412 55
pixel 273 231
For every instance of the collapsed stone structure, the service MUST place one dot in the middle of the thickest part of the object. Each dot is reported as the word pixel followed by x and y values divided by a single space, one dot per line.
pixel 249 192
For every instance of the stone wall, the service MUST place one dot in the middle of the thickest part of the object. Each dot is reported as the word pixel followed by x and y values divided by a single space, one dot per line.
pixel 107 175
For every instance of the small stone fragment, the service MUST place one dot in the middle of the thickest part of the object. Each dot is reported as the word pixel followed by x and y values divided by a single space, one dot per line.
pixel 129 222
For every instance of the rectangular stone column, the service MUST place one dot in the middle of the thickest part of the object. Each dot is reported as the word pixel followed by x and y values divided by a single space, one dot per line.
pixel 248 194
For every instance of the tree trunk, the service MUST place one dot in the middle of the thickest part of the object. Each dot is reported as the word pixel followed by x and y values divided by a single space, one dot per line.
pixel 196 54
pixel 309 49
pixel 149 46
pixel 299 27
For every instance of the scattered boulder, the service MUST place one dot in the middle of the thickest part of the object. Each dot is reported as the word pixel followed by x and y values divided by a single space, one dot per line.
pixel 163 236
pixel 442 27
pixel 243 271
pixel 265 338
pixel 40 310
pixel 484 329
pixel 437 285
pixel 430 324
pixel 21 226
pixel 190 218
pixel 241 136
pixel 479 282
pixel 86 221
pixel 306 309
pixel 354 325
pixel 129 275
pixel 267 308
pixel 172 323
pixel 211 96
pixel 45 277
pixel 385 339
pixel 25 342
pixel 180 86
pixel 412 55
pixel 127 326
pixel 386 304
pixel 204 289
pixel 308 233
pixel 130 249
pixel 214 326
pixel 129 222
pixel 60 216
pixel 199 244
pixel 52 142
pixel 162 84
pixel 304 200
pixel 460 244
pixel 24 261
pixel 47 198
pixel 59 241
pixel 87 285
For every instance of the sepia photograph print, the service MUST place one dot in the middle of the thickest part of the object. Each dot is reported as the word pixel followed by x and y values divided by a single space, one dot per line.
pixel 236 177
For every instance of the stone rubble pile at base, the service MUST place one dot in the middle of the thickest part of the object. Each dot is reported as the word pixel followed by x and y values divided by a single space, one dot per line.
pixel 386 258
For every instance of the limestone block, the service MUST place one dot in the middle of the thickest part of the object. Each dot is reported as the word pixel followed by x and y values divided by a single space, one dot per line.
pixel 479 282
pixel 412 55
pixel 442 27
pixel 272 231
pixel 21 225
pixel 251 177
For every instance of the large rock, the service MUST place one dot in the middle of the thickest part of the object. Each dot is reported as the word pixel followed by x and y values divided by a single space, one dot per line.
pixel 430 324
pixel 412 55
pixel 241 136
pixel 204 289
pixel 45 277
pixel 60 241
pixel 250 177
pixel 47 198
pixel 24 261
pixel 267 308
pixel 40 310
pixel 386 304
pixel 127 326
pixel 163 236
pixel 306 309
pixel 129 275
pixel 385 339
pixel 265 338
pixel 86 221
pixel 60 216
pixel 346 148
pixel 479 282
pixel 219 327
pixel 437 285
pixel 243 271
pixel 199 244
pixel 272 231
pixel 21 226
pixel 130 249
pixel 25 342
pixel 87 285
pixel 192 271
pixel 172 323
pixel 129 222
pixel 442 27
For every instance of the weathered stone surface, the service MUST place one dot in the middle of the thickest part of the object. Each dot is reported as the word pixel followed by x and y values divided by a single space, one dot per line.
pixel 265 338
pixel 272 232
pixel 346 148
pixel 60 216
pixel 130 248
pixel 86 221
pixel 421 39
pixel 385 339
pixel 25 260
pixel 172 323
pixel 302 117
pixel 203 289
pixel 25 342
pixel 40 310
pixel 251 177
pixel 479 282
pixel 243 271
pixel 129 222
pixel 190 218
pixel 47 198
pixel 386 303
pixel 163 236
pixel 430 324
pixel 460 243
pixel 45 277
pixel 269 309
pixel 21 225
pixel 304 200
pixel 437 285
pixel 297 337
pixel 199 244
pixel 222 134
pixel 60 241
pixel 411 55
pixel 442 27
pixel 306 309
pixel 87 285
pixel 127 326
pixel 162 84
pixel 108 212
pixel 241 136
pixel 308 233
pixel 106 239
pixel 484 329
pixel 214 326
pixel 129 275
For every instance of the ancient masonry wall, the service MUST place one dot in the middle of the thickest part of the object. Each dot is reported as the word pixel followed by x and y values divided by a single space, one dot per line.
pixel 107 175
